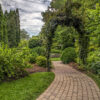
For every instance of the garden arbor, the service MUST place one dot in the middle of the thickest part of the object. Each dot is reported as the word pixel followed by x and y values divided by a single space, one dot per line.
pixel 68 18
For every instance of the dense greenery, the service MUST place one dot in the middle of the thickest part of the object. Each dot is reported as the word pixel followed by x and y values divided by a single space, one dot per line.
pixel 95 68
pixel 34 42
pixel 76 24
pixel 39 50
pixel 68 55
pixel 71 30
pixel 41 61
pixel 10 27
pixel 28 88
pixel 12 64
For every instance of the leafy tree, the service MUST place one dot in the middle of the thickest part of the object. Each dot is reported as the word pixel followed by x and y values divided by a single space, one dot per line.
pixel 64 37
pixel 34 42
pixel 24 35
pixel 94 26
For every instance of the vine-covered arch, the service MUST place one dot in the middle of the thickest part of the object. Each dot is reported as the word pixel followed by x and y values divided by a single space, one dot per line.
pixel 67 19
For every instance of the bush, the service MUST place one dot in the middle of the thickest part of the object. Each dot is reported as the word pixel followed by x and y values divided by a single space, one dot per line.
pixel 41 61
pixel 33 58
pixel 23 44
pixel 39 50
pixel 93 56
pixel 34 42
pixel 11 64
pixel 68 55
pixel 95 68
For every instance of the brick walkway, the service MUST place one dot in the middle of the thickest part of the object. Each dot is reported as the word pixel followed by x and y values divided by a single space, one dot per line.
pixel 70 84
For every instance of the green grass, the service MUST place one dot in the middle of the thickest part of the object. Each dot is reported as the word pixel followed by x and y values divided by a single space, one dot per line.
pixel 95 78
pixel 28 88
pixel 55 59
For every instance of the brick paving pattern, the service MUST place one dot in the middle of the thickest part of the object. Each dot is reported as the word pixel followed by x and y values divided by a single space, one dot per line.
pixel 70 84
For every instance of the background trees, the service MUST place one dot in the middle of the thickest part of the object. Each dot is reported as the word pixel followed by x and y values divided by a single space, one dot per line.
pixel 9 27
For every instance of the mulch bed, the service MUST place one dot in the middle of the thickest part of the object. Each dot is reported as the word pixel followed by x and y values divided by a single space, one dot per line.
pixel 35 69
pixel 74 65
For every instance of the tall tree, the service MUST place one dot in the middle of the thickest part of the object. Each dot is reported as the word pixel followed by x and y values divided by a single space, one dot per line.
pixel 17 27
pixel 12 29
pixel 1 24
pixel 5 33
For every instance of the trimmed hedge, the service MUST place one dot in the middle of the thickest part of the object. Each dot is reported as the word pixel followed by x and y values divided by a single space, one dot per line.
pixel 68 55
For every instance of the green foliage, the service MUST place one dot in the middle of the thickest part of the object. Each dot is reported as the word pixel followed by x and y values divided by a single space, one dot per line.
pixel 9 27
pixel 64 37
pixel 34 42
pixel 41 61
pixel 93 56
pixel 13 27
pixel 11 64
pixel 39 50
pixel 55 59
pixel 33 57
pixel 23 44
pixel 94 26
pixel 95 68
pixel 58 4
pixel 24 35
pixel 68 55
pixel 17 27
pixel 1 24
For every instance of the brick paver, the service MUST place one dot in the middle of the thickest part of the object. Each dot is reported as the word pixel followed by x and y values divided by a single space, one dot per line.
pixel 70 84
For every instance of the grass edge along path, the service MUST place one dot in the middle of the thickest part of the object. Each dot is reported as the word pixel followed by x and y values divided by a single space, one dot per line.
pixel 55 59
pixel 28 88
pixel 95 78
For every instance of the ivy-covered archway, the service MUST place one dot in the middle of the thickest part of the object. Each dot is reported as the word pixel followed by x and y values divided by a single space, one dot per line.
pixel 68 19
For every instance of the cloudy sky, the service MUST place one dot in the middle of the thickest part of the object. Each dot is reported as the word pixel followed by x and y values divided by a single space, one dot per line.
pixel 30 13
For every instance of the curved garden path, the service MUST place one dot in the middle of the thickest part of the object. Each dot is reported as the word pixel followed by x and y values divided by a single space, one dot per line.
pixel 70 84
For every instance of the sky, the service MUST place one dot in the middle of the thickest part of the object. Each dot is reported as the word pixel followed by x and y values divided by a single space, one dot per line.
pixel 30 13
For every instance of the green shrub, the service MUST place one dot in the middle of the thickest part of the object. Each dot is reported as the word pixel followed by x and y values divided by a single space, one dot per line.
pixel 39 50
pixel 33 58
pixel 23 44
pixel 11 64
pixel 34 42
pixel 68 55
pixel 41 61
pixel 93 56
pixel 95 68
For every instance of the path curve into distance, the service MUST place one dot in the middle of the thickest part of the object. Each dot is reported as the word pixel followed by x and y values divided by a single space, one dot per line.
pixel 70 84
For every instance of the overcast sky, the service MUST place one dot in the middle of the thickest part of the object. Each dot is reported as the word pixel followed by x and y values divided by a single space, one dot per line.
pixel 30 13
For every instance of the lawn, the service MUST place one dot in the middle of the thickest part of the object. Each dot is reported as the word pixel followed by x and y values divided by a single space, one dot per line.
pixel 28 88
pixel 55 59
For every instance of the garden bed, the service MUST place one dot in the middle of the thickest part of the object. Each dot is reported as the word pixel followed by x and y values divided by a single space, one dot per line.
pixel 35 69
